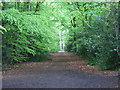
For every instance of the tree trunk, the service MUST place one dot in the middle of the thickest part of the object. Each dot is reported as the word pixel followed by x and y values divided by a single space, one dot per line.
pixel 118 29
pixel 15 6
pixel 26 6
pixel 3 5
pixel 37 6
pixel 18 5
pixel 74 25
pixel 75 45
pixel 90 19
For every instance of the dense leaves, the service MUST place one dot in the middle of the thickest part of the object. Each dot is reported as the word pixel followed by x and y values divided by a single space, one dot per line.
pixel 28 36
pixel 89 29
pixel 93 33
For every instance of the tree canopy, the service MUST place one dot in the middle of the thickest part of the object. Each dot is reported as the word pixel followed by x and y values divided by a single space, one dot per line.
pixel 32 30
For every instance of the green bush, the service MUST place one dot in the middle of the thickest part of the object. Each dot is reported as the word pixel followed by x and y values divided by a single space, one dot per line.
pixel 95 38
pixel 26 37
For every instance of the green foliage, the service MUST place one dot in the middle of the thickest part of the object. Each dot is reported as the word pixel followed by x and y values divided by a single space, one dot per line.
pixel 29 37
pixel 88 28
pixel 93 33
pixel 2 28
pixel 39 58
pixel 119 70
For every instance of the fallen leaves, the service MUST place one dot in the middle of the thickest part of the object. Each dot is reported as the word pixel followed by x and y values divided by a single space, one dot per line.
pixel 61 61
pixel 78 66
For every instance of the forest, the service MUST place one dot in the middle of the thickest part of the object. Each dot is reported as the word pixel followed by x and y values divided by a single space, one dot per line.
pixel 32 30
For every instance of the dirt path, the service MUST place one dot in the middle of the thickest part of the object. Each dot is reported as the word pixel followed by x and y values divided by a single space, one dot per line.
pixel 64 71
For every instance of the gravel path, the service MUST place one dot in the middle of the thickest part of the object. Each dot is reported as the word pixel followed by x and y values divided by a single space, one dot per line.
pixel 57 73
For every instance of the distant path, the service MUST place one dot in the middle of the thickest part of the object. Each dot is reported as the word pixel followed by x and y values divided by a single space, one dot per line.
pixel 61 72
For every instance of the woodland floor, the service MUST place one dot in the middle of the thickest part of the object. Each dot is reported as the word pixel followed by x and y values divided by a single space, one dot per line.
pixel 66 70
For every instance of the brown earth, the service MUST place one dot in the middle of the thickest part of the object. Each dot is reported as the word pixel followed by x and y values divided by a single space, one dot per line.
pixel 66 70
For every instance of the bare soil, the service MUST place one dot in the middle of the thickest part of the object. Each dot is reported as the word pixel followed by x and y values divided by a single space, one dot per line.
pixel 66 70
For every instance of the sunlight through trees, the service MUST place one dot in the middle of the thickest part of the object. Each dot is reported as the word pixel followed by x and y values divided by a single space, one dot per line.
pixel 32 30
